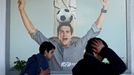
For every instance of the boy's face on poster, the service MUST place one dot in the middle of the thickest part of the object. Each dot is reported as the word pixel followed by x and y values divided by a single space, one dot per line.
pixel 65 35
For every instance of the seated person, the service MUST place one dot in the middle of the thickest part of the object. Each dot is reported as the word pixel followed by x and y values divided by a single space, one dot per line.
pixel 37 64
pixel 91 64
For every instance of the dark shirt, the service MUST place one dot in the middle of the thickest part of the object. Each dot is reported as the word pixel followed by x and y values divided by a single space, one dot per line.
pixel 89 65
pixel 34 65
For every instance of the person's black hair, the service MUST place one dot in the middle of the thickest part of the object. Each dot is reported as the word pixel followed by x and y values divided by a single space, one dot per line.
pixel 64 24
pixel 89 47
pixel 46 46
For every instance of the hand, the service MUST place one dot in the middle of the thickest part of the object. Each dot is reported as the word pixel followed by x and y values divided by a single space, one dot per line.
pixel 97 46
pixel 45 72
pixel 105 4
pixel 21 4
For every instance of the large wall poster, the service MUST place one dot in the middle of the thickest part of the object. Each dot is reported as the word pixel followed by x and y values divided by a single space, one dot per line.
pixel 42 15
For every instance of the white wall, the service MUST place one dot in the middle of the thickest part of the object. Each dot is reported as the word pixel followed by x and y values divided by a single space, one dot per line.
pixel 2 36
pixel 132 33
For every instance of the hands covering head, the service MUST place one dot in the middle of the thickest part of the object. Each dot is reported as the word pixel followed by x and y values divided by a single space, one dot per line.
pixel 97 46
pixel 94 47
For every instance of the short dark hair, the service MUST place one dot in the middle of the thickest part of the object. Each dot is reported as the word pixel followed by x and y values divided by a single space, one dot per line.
pixel 89 47
pixel 46 46
pixel 64 24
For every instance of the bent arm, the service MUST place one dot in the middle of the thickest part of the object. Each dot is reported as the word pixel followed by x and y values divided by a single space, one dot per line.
pixel 25 74
pixel 100 18
pixel 26 21
pixel 115 62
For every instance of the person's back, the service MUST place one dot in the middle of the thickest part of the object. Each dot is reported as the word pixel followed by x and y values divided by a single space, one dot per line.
pixel 91 64
pixel 34 64
pixel 37 64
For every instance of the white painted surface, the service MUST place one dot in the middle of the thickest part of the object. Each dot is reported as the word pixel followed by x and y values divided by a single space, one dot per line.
pixel 2 36
pixel 132 34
